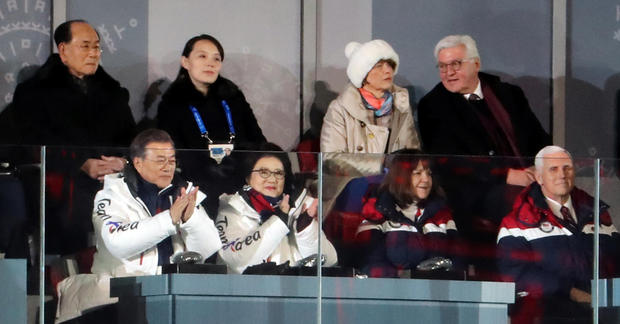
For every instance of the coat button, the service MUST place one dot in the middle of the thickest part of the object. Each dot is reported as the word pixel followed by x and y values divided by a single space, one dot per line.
pixel 371 135
pixel 360 148
pixel 363 124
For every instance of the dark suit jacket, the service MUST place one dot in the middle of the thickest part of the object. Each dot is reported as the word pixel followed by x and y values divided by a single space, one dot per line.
pixel 448 125
pixel 477 186
pixel 51 109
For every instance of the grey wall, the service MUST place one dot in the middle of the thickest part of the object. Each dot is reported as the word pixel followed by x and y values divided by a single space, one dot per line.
pixel 261 40
pixel 593 78
pixel 513 38
pixel 123 28
pixel 24 42
pixel 338 23
pixel 143 39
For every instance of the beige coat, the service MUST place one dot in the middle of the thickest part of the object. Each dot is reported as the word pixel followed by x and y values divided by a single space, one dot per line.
pixel 349 127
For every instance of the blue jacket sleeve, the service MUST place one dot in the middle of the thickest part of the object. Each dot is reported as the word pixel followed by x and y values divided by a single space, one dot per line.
pixel 518 262
pixel 373 260
pixel 406 249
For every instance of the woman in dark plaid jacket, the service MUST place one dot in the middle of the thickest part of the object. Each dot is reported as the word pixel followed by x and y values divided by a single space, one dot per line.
pixel 406 220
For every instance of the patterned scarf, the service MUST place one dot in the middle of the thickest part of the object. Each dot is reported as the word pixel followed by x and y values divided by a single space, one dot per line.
pixel 264 205
pixel 381 106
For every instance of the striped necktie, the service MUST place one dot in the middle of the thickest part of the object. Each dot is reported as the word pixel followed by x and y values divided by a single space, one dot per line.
pixel 567 216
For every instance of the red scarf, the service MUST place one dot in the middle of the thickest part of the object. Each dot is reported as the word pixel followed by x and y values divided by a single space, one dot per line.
pixel 375 102
pixel 261 204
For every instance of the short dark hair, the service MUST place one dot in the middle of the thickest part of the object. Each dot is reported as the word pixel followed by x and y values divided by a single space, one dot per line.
pixel 189 47
pixel 62 34
pixel 139 143
pixel 268 150
pixel 397 181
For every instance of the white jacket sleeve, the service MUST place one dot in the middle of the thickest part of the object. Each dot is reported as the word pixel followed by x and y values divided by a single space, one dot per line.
pixel 307 243
pixel 199 234
pixel 244 242
pixel 333 132
pixel 123 237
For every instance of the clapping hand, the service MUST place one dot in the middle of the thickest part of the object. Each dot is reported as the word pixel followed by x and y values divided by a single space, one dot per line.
pixel 312 209
pixel 284 204
pixel 183 207
pixel 191 204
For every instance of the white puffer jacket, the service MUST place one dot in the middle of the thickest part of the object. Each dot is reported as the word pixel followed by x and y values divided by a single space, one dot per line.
pixel 246 241
pixel 127 236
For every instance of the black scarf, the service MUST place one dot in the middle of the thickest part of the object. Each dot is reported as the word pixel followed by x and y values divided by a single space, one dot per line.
pixel 156 201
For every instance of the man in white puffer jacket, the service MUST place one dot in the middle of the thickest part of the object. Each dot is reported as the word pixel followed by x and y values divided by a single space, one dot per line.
pixel 141 218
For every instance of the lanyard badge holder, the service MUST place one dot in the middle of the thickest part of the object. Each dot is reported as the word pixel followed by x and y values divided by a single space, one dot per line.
pixel 217 151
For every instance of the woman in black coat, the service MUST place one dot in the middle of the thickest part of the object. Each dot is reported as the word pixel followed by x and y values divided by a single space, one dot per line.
pixel 200 86
pixel 201 109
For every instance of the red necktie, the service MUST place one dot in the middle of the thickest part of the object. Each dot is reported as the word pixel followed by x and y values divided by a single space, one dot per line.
pixel 567 216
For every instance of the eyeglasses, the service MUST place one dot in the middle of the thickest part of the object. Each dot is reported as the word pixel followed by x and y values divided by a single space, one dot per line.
pixel 86 48
pixel 266 173
pixel 162 162
pixel 455 65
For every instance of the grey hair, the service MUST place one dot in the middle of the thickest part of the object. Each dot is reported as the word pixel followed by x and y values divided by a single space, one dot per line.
pixel 539 160
pixel 471 51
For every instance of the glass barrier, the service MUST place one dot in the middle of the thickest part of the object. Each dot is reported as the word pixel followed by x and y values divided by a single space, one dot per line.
pixel 73 176
pixel 607 258
pixel 20 273
pixel 255 225
pixel 434 233
pixel 458 226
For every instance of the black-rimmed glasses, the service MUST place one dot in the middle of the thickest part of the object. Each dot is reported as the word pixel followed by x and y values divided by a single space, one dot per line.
pixel 455 65
pixel 266 173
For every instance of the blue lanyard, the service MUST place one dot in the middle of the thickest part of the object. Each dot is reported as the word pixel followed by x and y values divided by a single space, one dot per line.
pixel 231 127
pixel 201 125
pixel 203 129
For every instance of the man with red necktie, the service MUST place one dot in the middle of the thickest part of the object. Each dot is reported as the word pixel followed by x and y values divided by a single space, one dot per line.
pixel 545 244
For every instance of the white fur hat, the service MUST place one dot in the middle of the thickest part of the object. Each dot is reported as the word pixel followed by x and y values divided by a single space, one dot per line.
pixel 362 58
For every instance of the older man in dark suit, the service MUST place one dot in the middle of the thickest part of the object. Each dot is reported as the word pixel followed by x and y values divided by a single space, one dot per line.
pixel 474 113
pixel 75 108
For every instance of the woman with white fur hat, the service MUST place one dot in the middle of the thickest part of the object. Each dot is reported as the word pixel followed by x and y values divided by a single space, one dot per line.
pixel 371 115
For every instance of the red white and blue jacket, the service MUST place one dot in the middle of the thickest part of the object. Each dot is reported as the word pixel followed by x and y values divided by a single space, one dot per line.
pixel 390 241
pixel 546 257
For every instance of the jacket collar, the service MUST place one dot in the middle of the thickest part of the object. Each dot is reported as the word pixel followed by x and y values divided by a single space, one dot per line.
pixel 533 196
pixel 352 95
pixel 386 205
pixel 182 90
pixel 485 78
pixel 55 72
pixel 133 179
pixel 236 202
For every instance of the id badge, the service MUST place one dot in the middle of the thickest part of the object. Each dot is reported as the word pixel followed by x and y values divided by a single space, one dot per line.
pixel 219 151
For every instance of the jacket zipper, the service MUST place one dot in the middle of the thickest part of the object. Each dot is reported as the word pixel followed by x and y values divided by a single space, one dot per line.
pixel 148 213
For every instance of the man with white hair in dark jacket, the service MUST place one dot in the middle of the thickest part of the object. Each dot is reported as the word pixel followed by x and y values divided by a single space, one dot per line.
pixel 545 244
